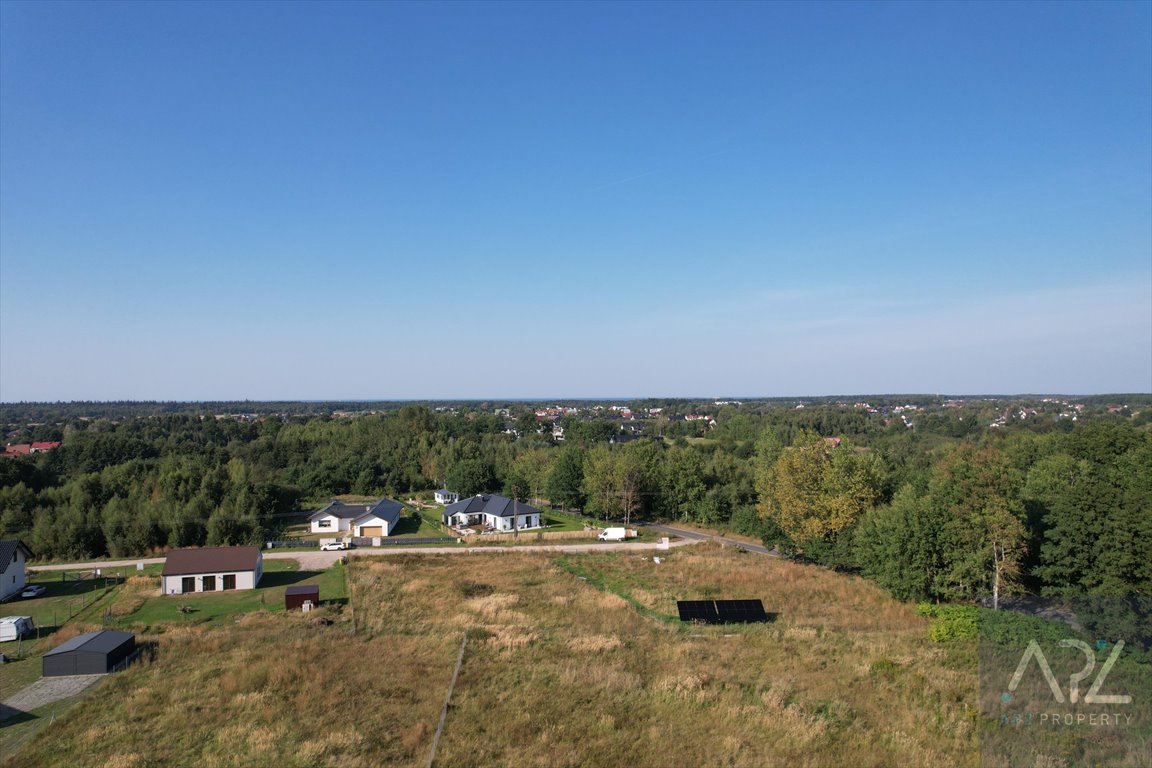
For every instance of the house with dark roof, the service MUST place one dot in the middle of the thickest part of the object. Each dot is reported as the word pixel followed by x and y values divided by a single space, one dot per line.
pixel 13 559
pixel 445 497
pixel 498 513
pixel 358 519
pixel 211 569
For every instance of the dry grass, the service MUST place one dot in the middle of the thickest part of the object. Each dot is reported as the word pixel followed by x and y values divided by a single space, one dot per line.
pixel 135 591
pixel 558 672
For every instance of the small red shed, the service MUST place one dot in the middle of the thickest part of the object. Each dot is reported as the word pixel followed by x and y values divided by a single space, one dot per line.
pixel 295 597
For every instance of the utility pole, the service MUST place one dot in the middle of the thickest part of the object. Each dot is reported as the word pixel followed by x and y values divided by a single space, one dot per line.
pixel 516 511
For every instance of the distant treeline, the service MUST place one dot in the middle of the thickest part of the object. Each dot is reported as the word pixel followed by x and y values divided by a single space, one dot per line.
pixel 22 413
pixel 932 504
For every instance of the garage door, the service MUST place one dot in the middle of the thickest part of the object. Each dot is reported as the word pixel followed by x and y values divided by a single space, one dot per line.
pixel 372 530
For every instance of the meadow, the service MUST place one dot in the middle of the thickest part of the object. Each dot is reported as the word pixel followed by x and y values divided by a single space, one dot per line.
pixel 569 661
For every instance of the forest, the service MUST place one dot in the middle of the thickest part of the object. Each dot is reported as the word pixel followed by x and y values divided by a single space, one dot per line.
pixel 939 507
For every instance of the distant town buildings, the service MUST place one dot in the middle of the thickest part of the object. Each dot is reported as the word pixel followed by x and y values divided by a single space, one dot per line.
pixel 27 449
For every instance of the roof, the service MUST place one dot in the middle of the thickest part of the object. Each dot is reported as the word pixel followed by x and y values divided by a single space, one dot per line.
pixel 385 509
pixel 211 560
pixel 444 491
pixel 303 589
pixel 8 552
pixel 103 641
pixel 498 506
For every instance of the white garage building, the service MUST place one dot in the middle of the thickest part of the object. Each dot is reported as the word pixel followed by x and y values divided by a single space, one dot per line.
pixel 212 569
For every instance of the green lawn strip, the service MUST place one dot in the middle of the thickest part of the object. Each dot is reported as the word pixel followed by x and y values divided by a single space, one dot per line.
pixel 19 673
pixel 617 586
pixel 561 521
pixel 65 601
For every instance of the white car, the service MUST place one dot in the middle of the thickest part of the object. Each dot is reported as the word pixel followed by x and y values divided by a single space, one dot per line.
pixel 332 545
pixel 33 590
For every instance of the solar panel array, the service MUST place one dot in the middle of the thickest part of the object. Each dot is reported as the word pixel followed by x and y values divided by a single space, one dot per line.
pixel 721 611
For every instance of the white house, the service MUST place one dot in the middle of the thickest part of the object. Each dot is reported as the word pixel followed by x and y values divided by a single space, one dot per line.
pixel 496 512
pixel 358 519
pixel 379 520
pixel 444 497
pixel 13 559
pixel 211 569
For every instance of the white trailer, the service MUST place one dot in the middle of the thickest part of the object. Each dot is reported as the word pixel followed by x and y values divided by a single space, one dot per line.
pixel 16 627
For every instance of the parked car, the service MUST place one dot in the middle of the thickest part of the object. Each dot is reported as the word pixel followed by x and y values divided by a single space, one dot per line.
pixel 333 545
pixel 33 590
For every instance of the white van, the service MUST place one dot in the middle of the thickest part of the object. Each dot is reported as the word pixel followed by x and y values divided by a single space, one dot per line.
pixel 16 627
pixel 612 534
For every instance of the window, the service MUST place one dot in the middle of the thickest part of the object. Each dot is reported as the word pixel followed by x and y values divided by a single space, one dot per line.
pixel 229 581
pixel 209 583
pixel 325 523
pixel 188 584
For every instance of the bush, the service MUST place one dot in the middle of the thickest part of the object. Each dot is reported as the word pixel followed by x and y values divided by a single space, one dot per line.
pixel 950 622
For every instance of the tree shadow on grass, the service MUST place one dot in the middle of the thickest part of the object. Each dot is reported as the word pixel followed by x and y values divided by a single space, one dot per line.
pixel 406 525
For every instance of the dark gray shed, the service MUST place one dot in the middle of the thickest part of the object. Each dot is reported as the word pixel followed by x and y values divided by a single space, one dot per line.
pixel 92 654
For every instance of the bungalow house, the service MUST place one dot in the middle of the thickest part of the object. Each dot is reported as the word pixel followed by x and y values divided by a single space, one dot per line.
pixel 496 512
pixel 358 519
pixel 209 569
pixel 444 497
pixel 13 557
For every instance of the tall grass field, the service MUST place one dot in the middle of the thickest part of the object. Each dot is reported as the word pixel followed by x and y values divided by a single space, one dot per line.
pixel 570 660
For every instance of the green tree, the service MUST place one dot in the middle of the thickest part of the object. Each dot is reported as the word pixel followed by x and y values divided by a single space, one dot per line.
pixel 898 546
pixel 984 534
pixel 682 481
pixel 601 484
pixel 472 476
pixel 819 489
pixel 566 479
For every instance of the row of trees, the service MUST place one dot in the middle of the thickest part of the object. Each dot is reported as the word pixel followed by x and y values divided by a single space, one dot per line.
pixel 925 515
pixel 1057 514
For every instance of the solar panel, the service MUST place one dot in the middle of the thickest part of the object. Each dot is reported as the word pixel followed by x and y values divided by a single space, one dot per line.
pixel 721 611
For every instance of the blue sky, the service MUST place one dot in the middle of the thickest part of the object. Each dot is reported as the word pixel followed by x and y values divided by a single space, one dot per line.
pixel 314 201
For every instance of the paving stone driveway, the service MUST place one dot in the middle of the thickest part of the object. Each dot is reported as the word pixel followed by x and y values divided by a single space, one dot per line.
pixel 45 691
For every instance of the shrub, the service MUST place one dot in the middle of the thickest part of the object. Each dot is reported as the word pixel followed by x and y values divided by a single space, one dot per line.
pixel 950 622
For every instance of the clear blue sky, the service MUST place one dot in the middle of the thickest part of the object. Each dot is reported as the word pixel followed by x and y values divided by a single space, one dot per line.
pixel 314 201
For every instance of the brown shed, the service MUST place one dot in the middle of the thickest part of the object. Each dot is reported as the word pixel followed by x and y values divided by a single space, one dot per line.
pixel 294 597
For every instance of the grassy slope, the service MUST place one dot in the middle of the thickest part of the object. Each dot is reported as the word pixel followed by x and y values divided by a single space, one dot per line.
pixel 559 671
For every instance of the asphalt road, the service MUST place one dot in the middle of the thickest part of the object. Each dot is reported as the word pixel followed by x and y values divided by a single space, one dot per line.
pixel 311 559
